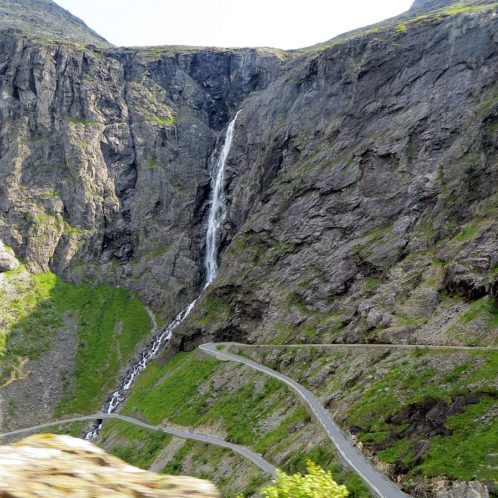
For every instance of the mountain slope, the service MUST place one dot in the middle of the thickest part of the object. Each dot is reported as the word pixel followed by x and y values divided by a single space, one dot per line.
pixel 44 19
pixel 363 203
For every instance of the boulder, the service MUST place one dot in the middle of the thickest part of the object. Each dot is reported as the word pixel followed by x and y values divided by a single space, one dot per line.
pixel 51 466
pixel 7 261
pixel 459 280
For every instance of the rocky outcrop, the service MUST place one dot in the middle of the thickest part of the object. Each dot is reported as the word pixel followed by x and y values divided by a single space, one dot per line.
pixel 460 280
pixel 7 261
pixel 56 466
pixel 448 489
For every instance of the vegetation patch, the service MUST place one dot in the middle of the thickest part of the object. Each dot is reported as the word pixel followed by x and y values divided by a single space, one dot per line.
pixel 186 391
pixel 110 323
pixel 458 434
pixel 426 412
pixel 137 446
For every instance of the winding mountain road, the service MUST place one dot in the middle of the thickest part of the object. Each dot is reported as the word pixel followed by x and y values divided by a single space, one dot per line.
pixel 258 460
pixel 377 483
pixel 361 346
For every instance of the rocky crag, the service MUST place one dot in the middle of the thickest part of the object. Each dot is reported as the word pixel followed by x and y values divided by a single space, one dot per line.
pixel 362 193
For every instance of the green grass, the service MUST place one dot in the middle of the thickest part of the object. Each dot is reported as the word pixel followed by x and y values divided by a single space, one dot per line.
pixel 461 455
pixel 112 323
pixel 461 7
pixel 170 390
pixel 216 310
pixel 467 233
pixel 151 163
pixel 109 324
pixel 165 121
pixel 274 438
pixel 180 392
pixel 76 121
pixel 372 283
pixel 137 446
pixel 240 410
pixel 175 465
pixel 482 307
pixel 70 230
pixel 378 233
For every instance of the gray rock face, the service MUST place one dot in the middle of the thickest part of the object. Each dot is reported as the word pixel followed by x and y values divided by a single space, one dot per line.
pixel 430 4
pixel 361 173
pixel 7 261
pixel 104 161
pixel 462 490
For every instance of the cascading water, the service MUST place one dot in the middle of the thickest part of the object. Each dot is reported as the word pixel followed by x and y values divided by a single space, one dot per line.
pixel 217 213
pixel 217 210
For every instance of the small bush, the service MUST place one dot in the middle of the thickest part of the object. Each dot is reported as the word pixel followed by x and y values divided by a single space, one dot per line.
pixel 317 483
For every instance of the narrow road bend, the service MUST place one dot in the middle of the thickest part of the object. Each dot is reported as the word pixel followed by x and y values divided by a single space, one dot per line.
pixel 378 483
pixel 256 459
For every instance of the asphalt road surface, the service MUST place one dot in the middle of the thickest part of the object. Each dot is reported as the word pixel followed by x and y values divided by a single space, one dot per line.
pixel 377 483
pixel 195 436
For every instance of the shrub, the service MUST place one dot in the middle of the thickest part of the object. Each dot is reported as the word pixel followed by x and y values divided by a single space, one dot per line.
pixel 317 483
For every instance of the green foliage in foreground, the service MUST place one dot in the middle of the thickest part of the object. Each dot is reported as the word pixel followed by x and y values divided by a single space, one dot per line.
pixel 317 483
pixel 109 323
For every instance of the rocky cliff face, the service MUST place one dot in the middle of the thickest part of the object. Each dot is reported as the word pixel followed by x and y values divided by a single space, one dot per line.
pixel 104 157
pixel 356 180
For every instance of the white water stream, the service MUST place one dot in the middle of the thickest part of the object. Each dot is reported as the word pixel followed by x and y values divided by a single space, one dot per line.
pixel 217 214
pixel 217 210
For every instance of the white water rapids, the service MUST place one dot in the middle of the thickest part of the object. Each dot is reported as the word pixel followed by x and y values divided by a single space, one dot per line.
pixel 217 213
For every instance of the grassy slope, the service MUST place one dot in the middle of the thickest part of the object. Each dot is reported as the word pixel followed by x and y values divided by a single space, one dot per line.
pixel 246 407
pixel 110 325
pixel 369 387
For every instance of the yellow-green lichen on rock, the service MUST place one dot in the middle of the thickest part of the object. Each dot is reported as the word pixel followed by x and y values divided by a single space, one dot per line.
pixel 47 465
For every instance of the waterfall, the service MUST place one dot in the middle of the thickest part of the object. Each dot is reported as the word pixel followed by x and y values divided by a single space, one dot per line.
pixel 217 213
pixel 217 210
